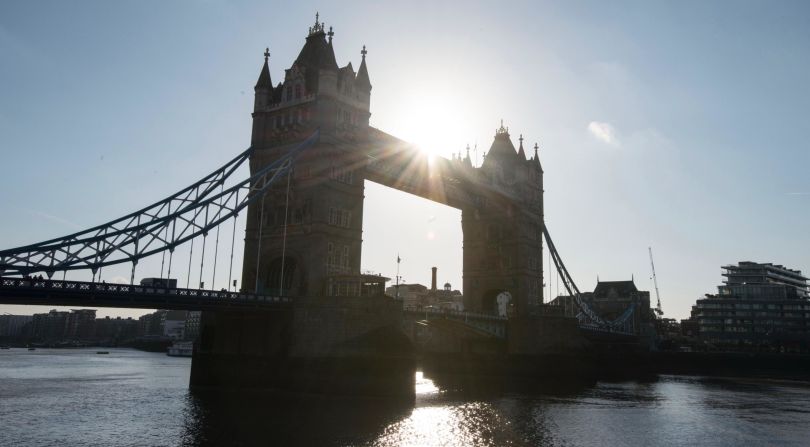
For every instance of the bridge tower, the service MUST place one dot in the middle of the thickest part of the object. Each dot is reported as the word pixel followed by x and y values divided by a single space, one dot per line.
pixel 503 234
pixel 323 205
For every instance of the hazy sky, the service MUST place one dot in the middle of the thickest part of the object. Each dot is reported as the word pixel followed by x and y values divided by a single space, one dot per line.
pixel 679 125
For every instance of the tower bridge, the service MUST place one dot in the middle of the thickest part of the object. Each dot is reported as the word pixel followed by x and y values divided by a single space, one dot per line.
pixel 306 310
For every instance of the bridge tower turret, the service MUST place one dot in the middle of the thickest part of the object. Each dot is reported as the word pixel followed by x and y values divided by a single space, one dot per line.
pixel 503 234
pixel 314 232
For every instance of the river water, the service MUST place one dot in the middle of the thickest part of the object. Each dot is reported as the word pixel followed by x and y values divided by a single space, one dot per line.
pixel 80 398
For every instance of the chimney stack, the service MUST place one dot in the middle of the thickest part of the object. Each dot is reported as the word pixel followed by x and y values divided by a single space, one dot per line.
pixel 433 279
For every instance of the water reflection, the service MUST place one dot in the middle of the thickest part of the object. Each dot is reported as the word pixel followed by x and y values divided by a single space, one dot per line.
pixel 78 398
pixel 264 418
pixel 449 411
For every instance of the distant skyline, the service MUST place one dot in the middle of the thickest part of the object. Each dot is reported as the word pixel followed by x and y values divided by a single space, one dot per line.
pixel 680 126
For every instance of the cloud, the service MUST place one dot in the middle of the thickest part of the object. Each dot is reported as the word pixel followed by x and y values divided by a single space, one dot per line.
pixel 798 193
pixel 604 132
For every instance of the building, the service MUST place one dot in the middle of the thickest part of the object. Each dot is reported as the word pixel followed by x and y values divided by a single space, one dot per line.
pixel 313 246
pixel 419 296
pixel 113 330
pixel 412 295
pixel 49 326
pixel 174 323
pixel 11 326
pixel 758 306
pixel 192 327
pixel 80 324
pixel 164 323
pixel 610 300
pixel 151 324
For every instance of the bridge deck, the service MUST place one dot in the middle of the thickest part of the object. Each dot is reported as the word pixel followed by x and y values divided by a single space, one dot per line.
pixel 46 292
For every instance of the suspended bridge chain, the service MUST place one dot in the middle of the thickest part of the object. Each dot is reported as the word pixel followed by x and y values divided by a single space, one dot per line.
pixel 586 316
pixel 160 227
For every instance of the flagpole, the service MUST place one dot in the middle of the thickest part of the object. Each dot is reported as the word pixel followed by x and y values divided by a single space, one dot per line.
pixel 398 260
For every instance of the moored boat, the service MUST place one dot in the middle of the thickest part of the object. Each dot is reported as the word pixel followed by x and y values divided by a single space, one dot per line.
pixel 181 349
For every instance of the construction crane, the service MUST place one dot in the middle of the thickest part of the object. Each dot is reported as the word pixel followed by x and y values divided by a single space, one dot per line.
pixel 658 309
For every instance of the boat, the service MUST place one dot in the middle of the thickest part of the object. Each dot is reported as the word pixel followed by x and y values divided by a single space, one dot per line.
pixel 32 349
pixel 181 349
pixel 102 352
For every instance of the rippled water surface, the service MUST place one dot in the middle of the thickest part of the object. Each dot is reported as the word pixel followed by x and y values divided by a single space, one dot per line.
pixel 80 398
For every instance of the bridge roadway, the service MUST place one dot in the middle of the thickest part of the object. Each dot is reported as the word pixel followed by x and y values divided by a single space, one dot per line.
pixel 48 292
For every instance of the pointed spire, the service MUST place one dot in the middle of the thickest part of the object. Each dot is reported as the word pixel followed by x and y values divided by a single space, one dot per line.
pixel 264 77
pixel 521 152
pixel 318 27
pixel 502 130
pixel 362 72
pixel 330 34
pixel 537 157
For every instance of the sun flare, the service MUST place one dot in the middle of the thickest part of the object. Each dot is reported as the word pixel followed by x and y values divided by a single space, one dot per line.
pixel 435 124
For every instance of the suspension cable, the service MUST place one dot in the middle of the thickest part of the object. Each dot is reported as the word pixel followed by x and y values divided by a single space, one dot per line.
pixel 191 250
pixel 171 254
pixel 102 258
pixel 259 244
pixel 190 254
pixel 284 238
pixel 216 246
pixel 98 244
pixel 202 255
pixel 233 242
pixel 165 235
pixel 135 260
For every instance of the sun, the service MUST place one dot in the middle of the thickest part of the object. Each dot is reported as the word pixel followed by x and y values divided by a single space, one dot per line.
pixel 434 123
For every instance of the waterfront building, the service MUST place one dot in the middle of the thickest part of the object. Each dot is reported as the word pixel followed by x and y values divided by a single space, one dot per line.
pixel 11 326
pixel 116 329
pixel 151 324
pixel 174 323
pixel 80 324
pixel 192 327
pixel 759 305
pixel 49 326
pixel 164 323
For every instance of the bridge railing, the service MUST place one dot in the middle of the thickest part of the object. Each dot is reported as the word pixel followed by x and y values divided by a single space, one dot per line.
pixel 88 288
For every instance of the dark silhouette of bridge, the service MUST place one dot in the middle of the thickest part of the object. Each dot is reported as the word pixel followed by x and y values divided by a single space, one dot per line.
pixel 311 150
